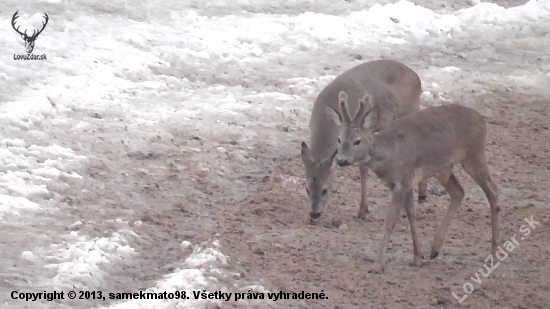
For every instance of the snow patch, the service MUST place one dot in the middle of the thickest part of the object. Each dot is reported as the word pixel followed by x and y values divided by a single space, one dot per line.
pixel 81 261
pixel 200 271
pixel 26 169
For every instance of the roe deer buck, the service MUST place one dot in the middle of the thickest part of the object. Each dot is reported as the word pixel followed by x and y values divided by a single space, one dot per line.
pixel 394 88
pixel 425 144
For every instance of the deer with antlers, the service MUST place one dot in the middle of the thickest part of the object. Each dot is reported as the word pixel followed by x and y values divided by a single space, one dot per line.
pixel 394 88
pixel 424 144
pixel 29 40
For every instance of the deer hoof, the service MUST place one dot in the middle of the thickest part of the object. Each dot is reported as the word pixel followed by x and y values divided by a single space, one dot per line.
pixel 416 263
pixel 366 217
pixel 421 199
pixel 433 255
pixel 377 269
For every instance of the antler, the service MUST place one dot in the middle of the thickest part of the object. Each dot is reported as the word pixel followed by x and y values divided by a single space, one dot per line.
pixel 365 104
pixel 43 26
pixel 34 33
pixel 13 23
pixel 343 104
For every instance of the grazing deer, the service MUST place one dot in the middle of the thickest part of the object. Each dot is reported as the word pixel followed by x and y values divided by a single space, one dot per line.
pixel 394 88
pixel 425 144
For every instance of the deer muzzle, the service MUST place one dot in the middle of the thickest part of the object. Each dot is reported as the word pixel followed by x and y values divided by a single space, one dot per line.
pixel 314 215
pixel 343 162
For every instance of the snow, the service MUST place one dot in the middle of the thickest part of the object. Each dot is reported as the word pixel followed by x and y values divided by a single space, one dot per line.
pixel 26 169
pixel 78 261
pixel 199 273
pixel 133 73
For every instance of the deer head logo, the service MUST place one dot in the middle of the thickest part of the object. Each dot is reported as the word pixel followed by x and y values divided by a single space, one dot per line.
pixel 29 40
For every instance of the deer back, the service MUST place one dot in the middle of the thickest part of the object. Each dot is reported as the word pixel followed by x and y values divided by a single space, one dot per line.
pixel 432 139
pixel 394 89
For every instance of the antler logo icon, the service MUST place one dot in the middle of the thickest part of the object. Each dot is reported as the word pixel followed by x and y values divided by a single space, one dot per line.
pixel 29 40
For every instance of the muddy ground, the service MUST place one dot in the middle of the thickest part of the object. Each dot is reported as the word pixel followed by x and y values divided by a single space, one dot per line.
pixel 255 205
pixel 255 213
pixel 263 234
pixel 251 198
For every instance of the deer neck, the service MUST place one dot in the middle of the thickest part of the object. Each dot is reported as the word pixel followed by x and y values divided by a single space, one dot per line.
pixel 376 154
pixel 371 150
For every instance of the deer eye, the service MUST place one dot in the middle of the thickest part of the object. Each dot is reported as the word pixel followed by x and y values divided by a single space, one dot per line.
pixel 307 191
pixel 357 142
pixel 324 192
pixel 339 141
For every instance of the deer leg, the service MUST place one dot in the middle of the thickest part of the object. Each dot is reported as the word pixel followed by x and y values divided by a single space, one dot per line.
pixel 451 184
pixel 480 173
pixel 397 202
pixel 422 187
pixel 411 214
pixel 364 207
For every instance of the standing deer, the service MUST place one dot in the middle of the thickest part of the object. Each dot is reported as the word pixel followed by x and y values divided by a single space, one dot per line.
pixel 425 144
pixel 394 88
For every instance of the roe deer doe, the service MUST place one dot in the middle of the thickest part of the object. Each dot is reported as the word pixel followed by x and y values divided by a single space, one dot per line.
pixel 425 144
pixel 394 88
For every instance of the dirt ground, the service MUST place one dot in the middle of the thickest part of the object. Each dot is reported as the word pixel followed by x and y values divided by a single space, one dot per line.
pixel 255 206
pixel 264 236
pixel 251 199
pixel 254 209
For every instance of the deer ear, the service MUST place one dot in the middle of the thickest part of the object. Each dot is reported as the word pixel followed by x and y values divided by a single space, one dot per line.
pixel 332 113
pixel 307 158
pixel 305 148
pixel 330 162
pixel 306 153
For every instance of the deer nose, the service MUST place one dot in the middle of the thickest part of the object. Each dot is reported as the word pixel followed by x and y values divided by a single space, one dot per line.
pixel 314 215
pixel 343 163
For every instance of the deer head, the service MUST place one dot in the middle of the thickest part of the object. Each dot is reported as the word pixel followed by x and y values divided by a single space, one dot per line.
pixel 29 40
pixel 354 140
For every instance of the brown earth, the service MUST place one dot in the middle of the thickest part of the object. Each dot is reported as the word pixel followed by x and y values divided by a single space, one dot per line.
pixel 254 209
pixel 334 254
pixel 254 205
